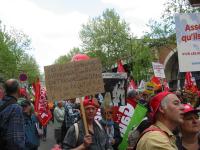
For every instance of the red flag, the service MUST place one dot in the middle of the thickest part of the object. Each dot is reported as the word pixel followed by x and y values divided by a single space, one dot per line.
pixel 190 83
pixel 41 104
pixel 132 85
pixel 156 81
pixel 166 85
pixel 120 67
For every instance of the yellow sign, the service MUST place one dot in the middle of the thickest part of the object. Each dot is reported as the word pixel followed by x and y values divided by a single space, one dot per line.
pixel 149 88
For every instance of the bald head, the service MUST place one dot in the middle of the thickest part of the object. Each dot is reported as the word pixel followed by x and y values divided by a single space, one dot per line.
pixel 12 87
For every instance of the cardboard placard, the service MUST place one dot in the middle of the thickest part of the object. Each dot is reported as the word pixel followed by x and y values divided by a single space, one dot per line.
pixel 74 79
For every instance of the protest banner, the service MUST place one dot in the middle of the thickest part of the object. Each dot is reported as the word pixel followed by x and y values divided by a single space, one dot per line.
pixel 188 41
pixel 74 79
pixel 113 75
pixel 115 84
pixel 41 104
pixel 149 88
pixel 124 115
pixel 138 114
pixel 141 86
pixel 158 70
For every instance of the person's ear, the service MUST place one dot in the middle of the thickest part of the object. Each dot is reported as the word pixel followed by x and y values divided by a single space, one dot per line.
pixel 161 109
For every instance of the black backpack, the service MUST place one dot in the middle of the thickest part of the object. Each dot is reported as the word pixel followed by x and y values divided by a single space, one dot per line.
pixel 2 107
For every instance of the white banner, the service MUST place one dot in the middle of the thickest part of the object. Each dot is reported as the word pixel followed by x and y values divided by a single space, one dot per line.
pixel 188 41
pixel 113 75
pixel 142 85
pixel 158 70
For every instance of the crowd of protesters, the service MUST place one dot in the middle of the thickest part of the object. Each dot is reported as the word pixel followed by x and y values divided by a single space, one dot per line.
pixel 172 122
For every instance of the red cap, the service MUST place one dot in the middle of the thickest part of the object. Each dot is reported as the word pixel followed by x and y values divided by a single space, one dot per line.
pixel 92 102
pixel 156 100
pixel 188 108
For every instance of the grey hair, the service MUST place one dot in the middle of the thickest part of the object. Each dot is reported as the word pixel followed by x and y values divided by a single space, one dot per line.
pixel 164 102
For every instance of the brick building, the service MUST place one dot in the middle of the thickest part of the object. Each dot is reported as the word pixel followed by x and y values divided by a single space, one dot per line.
pixel 168 56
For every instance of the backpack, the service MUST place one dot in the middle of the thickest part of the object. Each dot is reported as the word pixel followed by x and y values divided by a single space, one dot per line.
pixel 31 134
pixel 2 107
pixel 151 128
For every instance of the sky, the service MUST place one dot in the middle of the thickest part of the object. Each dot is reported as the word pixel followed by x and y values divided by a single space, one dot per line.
pixel 53 25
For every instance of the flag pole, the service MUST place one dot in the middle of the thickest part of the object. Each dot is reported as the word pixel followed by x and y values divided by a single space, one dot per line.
pixel 83 116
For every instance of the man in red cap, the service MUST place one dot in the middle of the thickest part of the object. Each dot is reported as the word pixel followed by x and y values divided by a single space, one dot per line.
pixel 190 135
pixel 95 140
pixel 167 114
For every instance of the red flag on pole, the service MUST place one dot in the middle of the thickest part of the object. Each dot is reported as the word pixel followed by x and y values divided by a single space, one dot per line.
pixel 41 104
pixel 120 67
pixel 190 83
pixel 166 85
pixel 132 85
pixel 156 81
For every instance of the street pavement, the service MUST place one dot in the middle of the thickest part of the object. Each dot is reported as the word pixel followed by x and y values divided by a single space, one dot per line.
pixel 50 140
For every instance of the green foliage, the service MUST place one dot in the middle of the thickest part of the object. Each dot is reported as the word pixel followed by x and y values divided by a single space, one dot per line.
pixel 62 59
pixel 162 33
pixel 176 6
pixel 106 37
pixel 29 66
pixel 67 58
pixel 141 60
pixel 13 57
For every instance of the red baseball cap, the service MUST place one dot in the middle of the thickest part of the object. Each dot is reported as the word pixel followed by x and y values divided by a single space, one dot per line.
pixel 155 102
pixel 92 102
pixel 189 109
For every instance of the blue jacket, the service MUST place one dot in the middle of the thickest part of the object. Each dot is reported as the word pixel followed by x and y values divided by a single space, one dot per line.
pixel 32 139
pixel 12 126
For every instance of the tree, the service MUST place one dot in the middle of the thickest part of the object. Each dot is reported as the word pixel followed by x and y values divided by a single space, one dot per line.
pixel 67 58
pixel 13 56
pixel 29 66
pixel 142 60
pixel 160 35
pixel 176 6
pixel 164 31
pixel 106 37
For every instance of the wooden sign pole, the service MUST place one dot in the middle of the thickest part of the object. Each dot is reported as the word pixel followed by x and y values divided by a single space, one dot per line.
pixel 84 117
